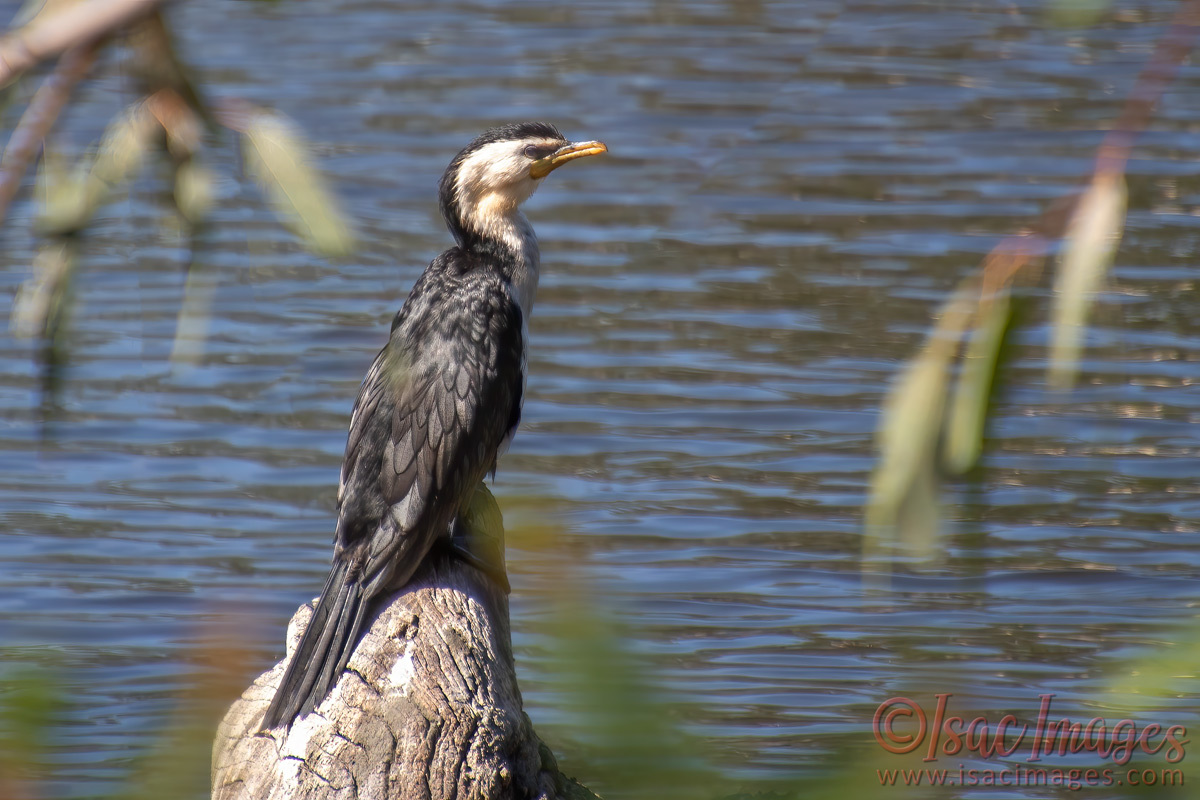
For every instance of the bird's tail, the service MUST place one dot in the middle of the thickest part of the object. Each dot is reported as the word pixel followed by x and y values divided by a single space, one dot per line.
pixel 324 649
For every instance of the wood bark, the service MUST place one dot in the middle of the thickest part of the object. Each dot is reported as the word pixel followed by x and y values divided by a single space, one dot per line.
pixel 427 708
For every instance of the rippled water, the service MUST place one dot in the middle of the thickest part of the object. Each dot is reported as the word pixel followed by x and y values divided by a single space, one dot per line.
pixel 791 191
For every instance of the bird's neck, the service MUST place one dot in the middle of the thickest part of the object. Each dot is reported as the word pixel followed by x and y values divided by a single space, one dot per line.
pixel 507 237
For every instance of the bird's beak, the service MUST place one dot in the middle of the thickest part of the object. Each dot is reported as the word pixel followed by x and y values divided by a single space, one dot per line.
pixel 544 166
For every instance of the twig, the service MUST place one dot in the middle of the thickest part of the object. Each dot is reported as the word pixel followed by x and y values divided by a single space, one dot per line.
pixel 1169 54
pixel 38 118
pixel 234 113
pixel 47 36
pixel 178 119
pixel 1014 253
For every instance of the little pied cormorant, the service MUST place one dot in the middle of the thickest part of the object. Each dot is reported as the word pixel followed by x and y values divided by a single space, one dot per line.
pixel 441 401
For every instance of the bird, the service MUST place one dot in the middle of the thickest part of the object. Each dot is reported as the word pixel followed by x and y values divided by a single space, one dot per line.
pixel 439 404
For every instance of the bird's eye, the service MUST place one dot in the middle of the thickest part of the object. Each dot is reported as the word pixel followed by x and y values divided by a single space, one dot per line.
pixel 531 150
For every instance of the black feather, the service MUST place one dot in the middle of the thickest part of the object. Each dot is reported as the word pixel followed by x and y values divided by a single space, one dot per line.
pixel 296 688
pixel 422 436
pixel 430 417
pixel 514 132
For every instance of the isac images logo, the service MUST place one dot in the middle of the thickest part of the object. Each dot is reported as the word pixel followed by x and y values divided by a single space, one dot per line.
pixel 903 726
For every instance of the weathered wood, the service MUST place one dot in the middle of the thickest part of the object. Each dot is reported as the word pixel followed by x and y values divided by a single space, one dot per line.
pixel 428 708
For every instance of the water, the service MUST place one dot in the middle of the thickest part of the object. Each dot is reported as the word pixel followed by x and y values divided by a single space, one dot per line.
pixel 790 192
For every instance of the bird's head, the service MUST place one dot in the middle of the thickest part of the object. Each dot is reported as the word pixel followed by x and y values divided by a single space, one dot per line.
pixel 488 180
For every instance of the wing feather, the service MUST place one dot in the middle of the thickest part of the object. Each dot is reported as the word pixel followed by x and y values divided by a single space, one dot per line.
pixel 428 423
pixel 431 416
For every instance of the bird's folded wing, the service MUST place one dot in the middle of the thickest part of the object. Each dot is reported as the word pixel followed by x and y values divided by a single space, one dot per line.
pixel 429 419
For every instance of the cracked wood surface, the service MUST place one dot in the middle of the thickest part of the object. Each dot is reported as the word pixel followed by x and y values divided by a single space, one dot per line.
pixel 428 708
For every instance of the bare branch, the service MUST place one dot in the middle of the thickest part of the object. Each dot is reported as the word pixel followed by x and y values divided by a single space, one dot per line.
pixel 46 36
pixel 38 118
pixel 1169 55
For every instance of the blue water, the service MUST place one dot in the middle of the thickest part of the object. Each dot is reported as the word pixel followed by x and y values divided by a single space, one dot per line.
pixel 791 191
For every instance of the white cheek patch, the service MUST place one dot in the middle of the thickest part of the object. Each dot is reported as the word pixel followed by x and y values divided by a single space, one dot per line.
pixel 493 181
pixel 491 185
pixel 489 168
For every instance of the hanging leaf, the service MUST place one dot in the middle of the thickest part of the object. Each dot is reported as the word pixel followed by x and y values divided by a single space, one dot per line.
pixel 278 158
pixel 194 191
pixel 62 190
pixel 42 301
pixel 919 516
pixel 195 315
pixel 124 146
pixel 1090 245
pixel 968 409
pixel 909 432
pixel 73 199
pixel 1077 13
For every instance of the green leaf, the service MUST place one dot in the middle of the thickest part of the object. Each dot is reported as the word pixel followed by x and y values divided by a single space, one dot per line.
pixel 1090 245
pixel 43 300
pixel 194 191
pixel 195 315
pixel 968 409
pixel 71 200
pixel 278 158
pixel 123 148
pixel 904 484
pixel 62 189
pixel 481 528
pixel 1077 13
pixel 621 712
pixel 29 700
pixel 1166 672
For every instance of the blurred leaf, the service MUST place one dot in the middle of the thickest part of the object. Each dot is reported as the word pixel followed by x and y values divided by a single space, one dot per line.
pixel 194 191
pixel 278 158
pixel 178 766
pixel 1093 234
pixel 195 314
pixel 179 763
pixel 71 200
pixel 481 531
pixel 182 125
pixel 850 772
pixel 616 724
pixel 29 701
pixel 42 301
pixel 8 98
pixel 123 148
pixel 631 730
pixel 919 517
pixel 1169 671
pixel 155 65
pixel 1077 13
pixel 905 480
pixel 61 188
pixel 968 410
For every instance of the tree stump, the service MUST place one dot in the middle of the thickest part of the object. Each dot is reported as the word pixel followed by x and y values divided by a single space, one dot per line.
pixel 428 707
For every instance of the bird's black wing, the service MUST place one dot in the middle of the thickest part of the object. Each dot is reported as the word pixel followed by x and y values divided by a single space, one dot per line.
pixel 431 415
pixel 428 423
